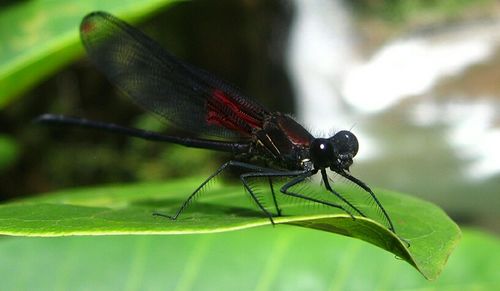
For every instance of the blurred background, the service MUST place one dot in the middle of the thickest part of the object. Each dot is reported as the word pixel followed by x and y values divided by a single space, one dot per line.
pixel 416 81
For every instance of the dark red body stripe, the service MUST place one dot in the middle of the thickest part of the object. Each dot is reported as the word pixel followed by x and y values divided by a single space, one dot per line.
pixel 224 111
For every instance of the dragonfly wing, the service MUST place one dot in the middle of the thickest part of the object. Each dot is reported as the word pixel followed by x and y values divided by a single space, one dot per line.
pixel 187 97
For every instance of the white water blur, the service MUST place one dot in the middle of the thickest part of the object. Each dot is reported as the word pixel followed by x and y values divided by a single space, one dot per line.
pixel 471 130
pixel 321 50
pixel 337 88
pixel 415 64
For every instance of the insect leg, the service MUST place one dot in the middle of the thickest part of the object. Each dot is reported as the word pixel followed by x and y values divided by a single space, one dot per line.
pixel 219 170
pixel 367 189
pixel 299 179
pixel 330 189
pixel 267 173
pixel 278 210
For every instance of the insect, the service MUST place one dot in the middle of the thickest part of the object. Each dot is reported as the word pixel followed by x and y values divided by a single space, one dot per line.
pixel 264 144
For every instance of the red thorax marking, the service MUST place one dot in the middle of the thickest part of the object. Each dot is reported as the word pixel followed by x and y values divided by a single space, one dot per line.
pixel 224 111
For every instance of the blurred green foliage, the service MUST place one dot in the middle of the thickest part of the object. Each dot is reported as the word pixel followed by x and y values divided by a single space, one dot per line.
pixel 37 38
pixel 401 11
pixel 9 151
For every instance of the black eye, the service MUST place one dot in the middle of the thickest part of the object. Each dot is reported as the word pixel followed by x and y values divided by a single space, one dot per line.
pixel 321 152
pixel 345 142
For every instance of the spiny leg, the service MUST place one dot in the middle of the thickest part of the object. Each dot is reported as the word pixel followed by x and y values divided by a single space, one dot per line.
pixel 243 178
pixel 278 210
pixel 219 170
pixel 330 189
pixel 297 180
pixel 267 173
pixel 367 189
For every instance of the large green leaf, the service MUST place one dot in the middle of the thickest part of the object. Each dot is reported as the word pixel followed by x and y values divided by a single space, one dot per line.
pixel 38 37
pixel 281 258
pixel 127 210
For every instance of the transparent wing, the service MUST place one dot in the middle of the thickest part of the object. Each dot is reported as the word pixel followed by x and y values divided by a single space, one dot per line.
pixel 187 97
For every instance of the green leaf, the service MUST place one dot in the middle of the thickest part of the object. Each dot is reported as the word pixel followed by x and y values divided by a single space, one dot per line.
pixel 39 37
pixel 9 151
pixel 128 209
pixel 266 258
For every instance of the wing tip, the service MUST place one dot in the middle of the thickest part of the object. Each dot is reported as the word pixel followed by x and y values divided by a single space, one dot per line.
pixel 90 20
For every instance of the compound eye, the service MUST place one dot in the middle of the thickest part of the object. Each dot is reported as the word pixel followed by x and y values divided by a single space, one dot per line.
pixel 345 142
pixel 322 152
